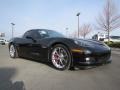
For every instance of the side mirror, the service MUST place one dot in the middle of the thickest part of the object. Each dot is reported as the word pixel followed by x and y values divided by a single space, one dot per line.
pixel 29 37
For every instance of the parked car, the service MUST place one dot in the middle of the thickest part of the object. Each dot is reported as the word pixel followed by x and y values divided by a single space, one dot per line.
pixel 51 46
pixel 2 41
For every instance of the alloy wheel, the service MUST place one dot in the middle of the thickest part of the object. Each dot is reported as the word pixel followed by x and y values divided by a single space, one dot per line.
pixel 12 51
pixel 60 57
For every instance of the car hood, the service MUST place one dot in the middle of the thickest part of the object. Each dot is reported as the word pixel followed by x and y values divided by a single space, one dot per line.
pixel 90 41
pixel 94 44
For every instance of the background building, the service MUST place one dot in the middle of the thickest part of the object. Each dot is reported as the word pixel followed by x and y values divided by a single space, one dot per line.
pixel 100 36
pixel 2 34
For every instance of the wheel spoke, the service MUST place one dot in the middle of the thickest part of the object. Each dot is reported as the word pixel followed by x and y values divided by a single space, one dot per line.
pixel 12 51
pixel 59 57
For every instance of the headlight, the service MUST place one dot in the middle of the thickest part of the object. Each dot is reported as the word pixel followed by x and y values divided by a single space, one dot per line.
pixel 81 43
pixel 76 42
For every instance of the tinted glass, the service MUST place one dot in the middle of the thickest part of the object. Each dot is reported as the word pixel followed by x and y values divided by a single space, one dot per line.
pixel 55 34
pixel 28 33
pixel 33 34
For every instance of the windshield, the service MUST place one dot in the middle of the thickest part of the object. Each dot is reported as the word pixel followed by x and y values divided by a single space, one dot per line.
pixel 49 33
pixel 55 34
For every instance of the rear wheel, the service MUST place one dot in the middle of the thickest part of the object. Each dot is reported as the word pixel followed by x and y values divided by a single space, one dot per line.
pixel 13 51
pixel 60 57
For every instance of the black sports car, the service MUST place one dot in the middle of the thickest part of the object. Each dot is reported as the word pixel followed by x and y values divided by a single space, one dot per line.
pixel 51 46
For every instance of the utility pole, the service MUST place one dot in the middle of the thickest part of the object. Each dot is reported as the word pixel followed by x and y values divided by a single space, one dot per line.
pixel 12 29
pixel 78 23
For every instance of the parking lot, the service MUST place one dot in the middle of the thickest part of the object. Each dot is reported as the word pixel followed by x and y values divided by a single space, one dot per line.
pixel 23 74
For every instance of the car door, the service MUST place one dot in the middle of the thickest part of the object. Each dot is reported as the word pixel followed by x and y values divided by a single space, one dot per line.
pixel 25 44
pixel 37 49
pixel 32 45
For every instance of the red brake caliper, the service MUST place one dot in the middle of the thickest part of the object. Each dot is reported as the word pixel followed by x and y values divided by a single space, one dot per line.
pixel 56 57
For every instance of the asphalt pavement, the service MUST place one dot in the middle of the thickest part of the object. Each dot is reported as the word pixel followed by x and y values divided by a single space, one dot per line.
pixel 23 74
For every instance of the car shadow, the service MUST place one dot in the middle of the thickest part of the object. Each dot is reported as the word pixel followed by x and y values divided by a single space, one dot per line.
pixel 6 83
pixel 39 61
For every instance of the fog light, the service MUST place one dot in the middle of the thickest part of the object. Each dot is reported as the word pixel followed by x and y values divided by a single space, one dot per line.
pixel 87 59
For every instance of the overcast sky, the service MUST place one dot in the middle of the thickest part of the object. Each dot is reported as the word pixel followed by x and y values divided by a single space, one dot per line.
pixel 49 14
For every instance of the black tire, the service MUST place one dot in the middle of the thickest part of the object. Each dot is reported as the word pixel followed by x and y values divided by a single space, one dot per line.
pixel 64 57
pixel 13 51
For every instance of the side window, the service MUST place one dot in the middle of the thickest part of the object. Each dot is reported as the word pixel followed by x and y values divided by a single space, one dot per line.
pixel 32 34
pixel 35 35
pixel 28 33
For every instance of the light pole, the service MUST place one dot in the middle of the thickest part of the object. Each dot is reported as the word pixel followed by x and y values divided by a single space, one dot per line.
pixel 78 23
pixel 12 29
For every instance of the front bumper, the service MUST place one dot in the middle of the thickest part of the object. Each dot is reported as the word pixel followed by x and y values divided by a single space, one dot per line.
pixel 93 59
pixel 87 63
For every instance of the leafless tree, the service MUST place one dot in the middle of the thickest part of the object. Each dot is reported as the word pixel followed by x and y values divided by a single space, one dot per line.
pixel 85 30
pixel 109 20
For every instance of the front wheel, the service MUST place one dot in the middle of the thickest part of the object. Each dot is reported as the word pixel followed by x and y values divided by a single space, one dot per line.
pixel 61 57
pixel 13 51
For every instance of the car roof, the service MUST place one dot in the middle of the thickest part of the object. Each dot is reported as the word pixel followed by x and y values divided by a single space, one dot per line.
pixel 40 30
